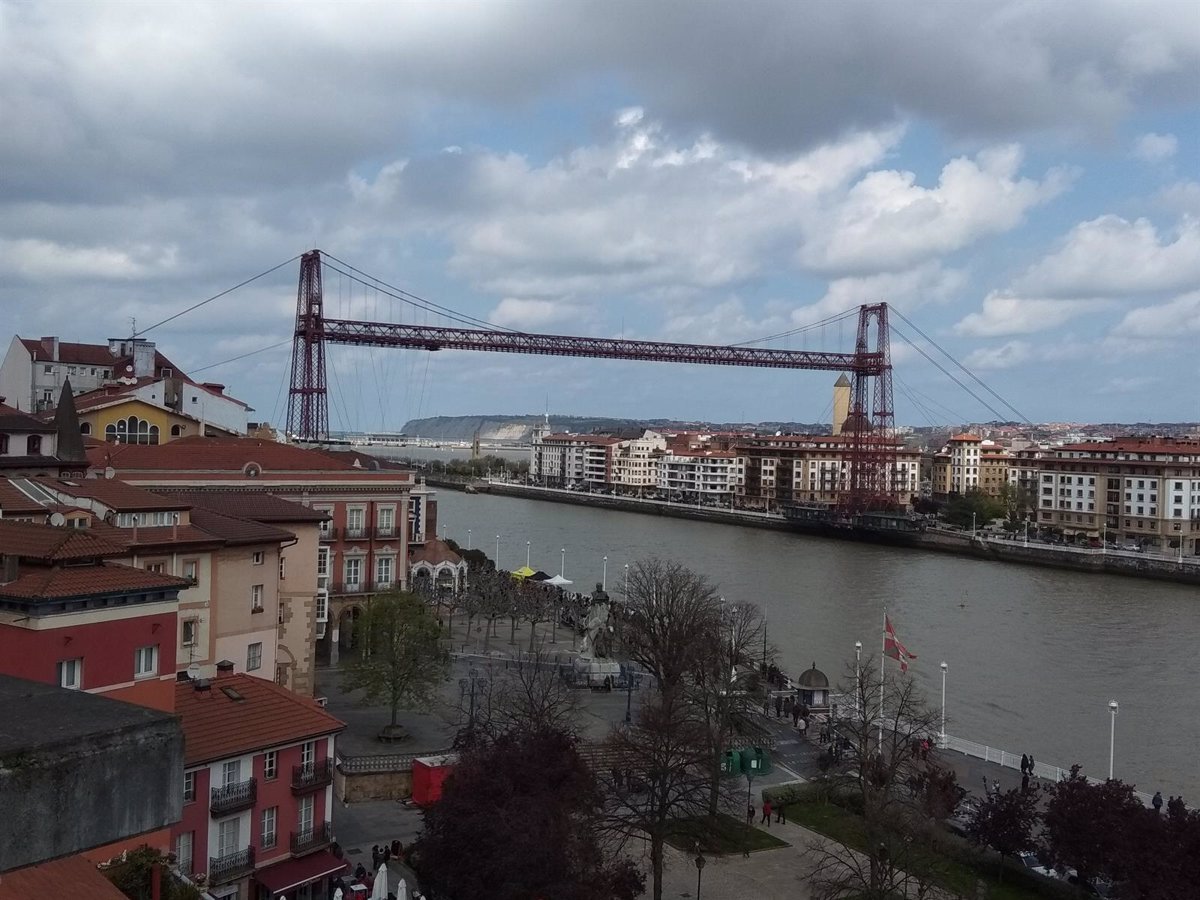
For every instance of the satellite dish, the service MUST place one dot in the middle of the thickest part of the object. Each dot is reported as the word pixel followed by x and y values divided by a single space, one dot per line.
pixel 129 368
pixel 193 671
pixel 109 473
pixel 58 520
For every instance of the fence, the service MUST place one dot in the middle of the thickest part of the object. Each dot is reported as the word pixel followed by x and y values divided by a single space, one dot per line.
pixel 382 763
pixel 1013 761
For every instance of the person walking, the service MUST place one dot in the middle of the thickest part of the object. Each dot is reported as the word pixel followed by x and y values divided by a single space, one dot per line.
pixel 795 715
pixel 1157 801
pixel 996 787
pixel 780 817
pixel 1024 764
pixel 1031 764
pixel 750 815
pixel 788 705
pixel 1025 783
pixel 803 726
pixel 778 706
pixel 766 812
pixel 987 788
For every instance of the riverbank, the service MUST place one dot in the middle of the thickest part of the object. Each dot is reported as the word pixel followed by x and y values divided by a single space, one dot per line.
pixel 1110 562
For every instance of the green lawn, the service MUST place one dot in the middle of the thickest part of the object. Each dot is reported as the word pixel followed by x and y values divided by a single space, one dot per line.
pixel 721 836
pixel 846 828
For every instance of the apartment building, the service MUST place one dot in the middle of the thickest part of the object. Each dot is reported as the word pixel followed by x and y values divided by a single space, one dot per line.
pixel 158 410
pixel 375 512
pixel 993 470
pixel 1138 491
pixel 257 789
pixel 31 446
pixel 563 460
pixel 711 476
pixel 965 452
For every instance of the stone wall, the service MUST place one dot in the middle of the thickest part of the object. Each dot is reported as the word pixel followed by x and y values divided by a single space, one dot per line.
pixel 358 786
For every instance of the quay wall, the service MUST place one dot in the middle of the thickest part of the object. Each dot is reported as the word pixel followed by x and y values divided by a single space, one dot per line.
pixel 1137 565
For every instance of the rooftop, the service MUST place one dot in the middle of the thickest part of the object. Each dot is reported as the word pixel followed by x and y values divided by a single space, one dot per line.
pixel 54 544
pixel 69 582
pixel 238 531
pixel 256 505
pixel 12 419
pixel 216 454
pixel 1136 445
pixel 966 437
pixel 87 355
pixel 433 552
pixel 113 493
pixel 241 714
pixel 72 876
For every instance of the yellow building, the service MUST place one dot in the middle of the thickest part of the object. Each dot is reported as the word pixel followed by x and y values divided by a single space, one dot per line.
pixel 993 471
pixel 130 420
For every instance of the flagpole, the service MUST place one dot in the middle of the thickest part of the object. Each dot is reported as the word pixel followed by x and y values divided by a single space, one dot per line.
pixel 882 670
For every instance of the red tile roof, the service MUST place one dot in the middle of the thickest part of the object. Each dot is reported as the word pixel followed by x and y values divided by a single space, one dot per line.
pixel 89 355
pixel 1136 445
pixel 113 493
pixel 64 582
pixel 157 537
pixel 73 876
pixel 208 454
pixel 16 502
pixel 966 436
pixel 50 543
pixel 255 505
pixel 235 531
pixel 217 726
pixel 432 552
pixel 13 419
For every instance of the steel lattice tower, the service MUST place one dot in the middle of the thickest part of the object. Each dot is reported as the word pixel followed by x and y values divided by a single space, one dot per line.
pixel 308 400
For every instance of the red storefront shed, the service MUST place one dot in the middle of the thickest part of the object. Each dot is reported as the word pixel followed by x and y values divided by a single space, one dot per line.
pixel 428 775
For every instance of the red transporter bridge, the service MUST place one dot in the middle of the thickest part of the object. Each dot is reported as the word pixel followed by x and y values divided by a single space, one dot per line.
pixel 872 454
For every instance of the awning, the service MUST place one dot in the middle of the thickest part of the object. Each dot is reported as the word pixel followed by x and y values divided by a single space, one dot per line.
pixel 523 572
pixel 559 581
pixel 294 873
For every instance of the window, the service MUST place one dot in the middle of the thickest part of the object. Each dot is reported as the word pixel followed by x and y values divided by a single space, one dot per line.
pixel 305 817
pixel 33 445
pixel 183 851
pixel 387 521
pixel 354 520
pixel 282 568
pixel 254 657
pixel 256 598
pixel 189 632
pixel 383 572
pixel 176 431
pixel 85 427
pixel 70 673
pixel 327 524
pixel 189 787
pixel 257 557
pixel 154 567
pixel 323 563
pixel 322 606
pixel 47 370
pixel 191 570
pixel 353 573
pixel 308 755
pixel 231 772
pixel 271 765
pixel 145 662
pixel 269 817
pixel 3 444
pixel 229 837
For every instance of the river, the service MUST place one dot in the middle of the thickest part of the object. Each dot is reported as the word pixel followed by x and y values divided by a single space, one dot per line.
pixel 1034 654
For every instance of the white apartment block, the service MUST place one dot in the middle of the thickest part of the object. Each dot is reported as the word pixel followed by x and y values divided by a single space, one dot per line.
pixel 965 451
pixel 701 474
pixel 635 463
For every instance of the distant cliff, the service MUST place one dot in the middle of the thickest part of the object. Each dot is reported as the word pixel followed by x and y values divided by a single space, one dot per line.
pixel 518 429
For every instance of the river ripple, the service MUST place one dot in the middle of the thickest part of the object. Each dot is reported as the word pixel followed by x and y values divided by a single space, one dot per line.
pixel 1034 654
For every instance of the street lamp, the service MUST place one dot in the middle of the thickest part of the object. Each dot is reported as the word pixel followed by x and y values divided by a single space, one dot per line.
pixel 497 552
pixel 468 538
pixel 527 546
pixel 562 565
pixel 700 861
pixel 857 674
pixel 943 738
pixel 604 576
pixel 626 582
pixel 1112 736
pixel 972 526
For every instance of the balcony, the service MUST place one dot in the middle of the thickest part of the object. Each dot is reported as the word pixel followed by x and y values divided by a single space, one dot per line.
pixel 356 533
pixel 318 837
pixel 231 866
pixel 328 534
pixel 233 798
pixel 383 533
pixel 306 779
pixel 361 586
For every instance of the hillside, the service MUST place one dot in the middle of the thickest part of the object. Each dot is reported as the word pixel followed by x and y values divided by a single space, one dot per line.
pixel 517 429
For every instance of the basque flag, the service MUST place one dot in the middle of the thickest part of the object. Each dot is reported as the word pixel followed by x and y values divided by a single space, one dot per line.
pixel 892 646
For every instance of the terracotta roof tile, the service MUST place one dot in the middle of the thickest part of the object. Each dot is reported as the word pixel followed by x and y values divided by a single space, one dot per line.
pixel 50 543
pixel 433 552
pixel 73 876
pixel 16 502
pixel 113 493
pixel 158 536
pixel 59 582
pixel 216 455
pixel 1136 445
pixel 13 419
pixel 216 726
pixel 238 531
pixel 966 437
pixel 89 355
pixel 255 505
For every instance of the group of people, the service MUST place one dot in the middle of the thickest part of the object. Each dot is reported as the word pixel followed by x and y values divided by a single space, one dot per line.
pixel 1175 805
pixel 767 809
pixel 792 707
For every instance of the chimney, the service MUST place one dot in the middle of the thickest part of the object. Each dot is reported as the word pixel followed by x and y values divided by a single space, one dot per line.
pixel 175 528
pixel 224 668
pixel 52 343
pixel 135 525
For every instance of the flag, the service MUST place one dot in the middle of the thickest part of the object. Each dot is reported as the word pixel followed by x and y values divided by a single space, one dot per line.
pixel 892 646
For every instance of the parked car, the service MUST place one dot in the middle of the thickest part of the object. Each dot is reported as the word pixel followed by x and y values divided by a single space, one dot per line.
pixel 1132 546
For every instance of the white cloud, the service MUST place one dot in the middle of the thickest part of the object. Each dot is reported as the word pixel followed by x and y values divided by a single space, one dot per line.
pixel 1006 356
pixel 1113 257
pixel 888 222
pixel 1175 319
pixel 1004 314
pixel 907 290
pixel 1128 384
pixel 1155 148
pixel 513 312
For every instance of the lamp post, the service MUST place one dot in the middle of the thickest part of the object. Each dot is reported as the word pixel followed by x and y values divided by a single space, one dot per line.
pixel 766 673
pixel 562 565
pixel 972 526
pixel 468 538
pixel 942 740
pixel 604 576
pixel 628 693
pixel 1026 532
pixel 626 582
pixel 857 674
pixel 497 552
pixel 1112 736
pixel 527 547
pixel 700 861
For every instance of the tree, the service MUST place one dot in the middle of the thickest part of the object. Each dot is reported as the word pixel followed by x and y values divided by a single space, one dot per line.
pixel 402 661
pixel 133 875
pixel 660 775
pixel 880 745
pixel 972 506
pixel 1005 821
pixel 1085 823
pixel 527 695
pixel 520 818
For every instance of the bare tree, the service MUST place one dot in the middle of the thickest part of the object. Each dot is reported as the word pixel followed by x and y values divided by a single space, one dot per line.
pixel 671 618
pixel 659 776
pixel 528 694
pixel 881 746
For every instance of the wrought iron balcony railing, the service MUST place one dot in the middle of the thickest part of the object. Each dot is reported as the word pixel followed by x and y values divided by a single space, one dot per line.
pixel 231 866
pixel 234 797
pixel 308 778
pixel 318 837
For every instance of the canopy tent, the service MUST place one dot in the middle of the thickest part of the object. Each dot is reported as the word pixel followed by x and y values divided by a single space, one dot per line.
pixel 523 572
pixel 539 575
pixel 559 581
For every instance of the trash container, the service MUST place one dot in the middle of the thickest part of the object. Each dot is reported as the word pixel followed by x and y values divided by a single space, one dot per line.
pixel 755 761
pixel 731 763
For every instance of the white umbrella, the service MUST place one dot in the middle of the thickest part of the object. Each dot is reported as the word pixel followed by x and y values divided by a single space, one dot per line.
pixel 559 581
pixel 402 890
pixel 380 890
pixel 337 894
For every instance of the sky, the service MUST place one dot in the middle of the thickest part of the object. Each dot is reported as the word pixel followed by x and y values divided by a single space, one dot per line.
pixel 1020 180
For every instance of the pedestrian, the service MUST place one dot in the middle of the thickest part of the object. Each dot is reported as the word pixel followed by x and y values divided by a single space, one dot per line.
pixel 987 788
pixel 766 816
pixel 803 726
pixel 788 706
pixel 996 787
pixel 749 815
pixel 1030 763
pixel 1157 801
pixel 1025 783
pixel 795 714
pixel 778 706
pixel 779 814
pixel 376 856
pixel 1024 764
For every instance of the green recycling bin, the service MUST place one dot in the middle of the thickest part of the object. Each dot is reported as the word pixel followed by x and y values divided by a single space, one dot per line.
pixel 755 761
pixel 731 763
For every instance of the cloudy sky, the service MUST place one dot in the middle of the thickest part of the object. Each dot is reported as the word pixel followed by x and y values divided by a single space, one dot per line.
pixel 1020 179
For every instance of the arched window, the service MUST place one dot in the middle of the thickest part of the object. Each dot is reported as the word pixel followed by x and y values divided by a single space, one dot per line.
pixel 176 431
pixel 33 446
pixel 132 431
pixel 85 427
